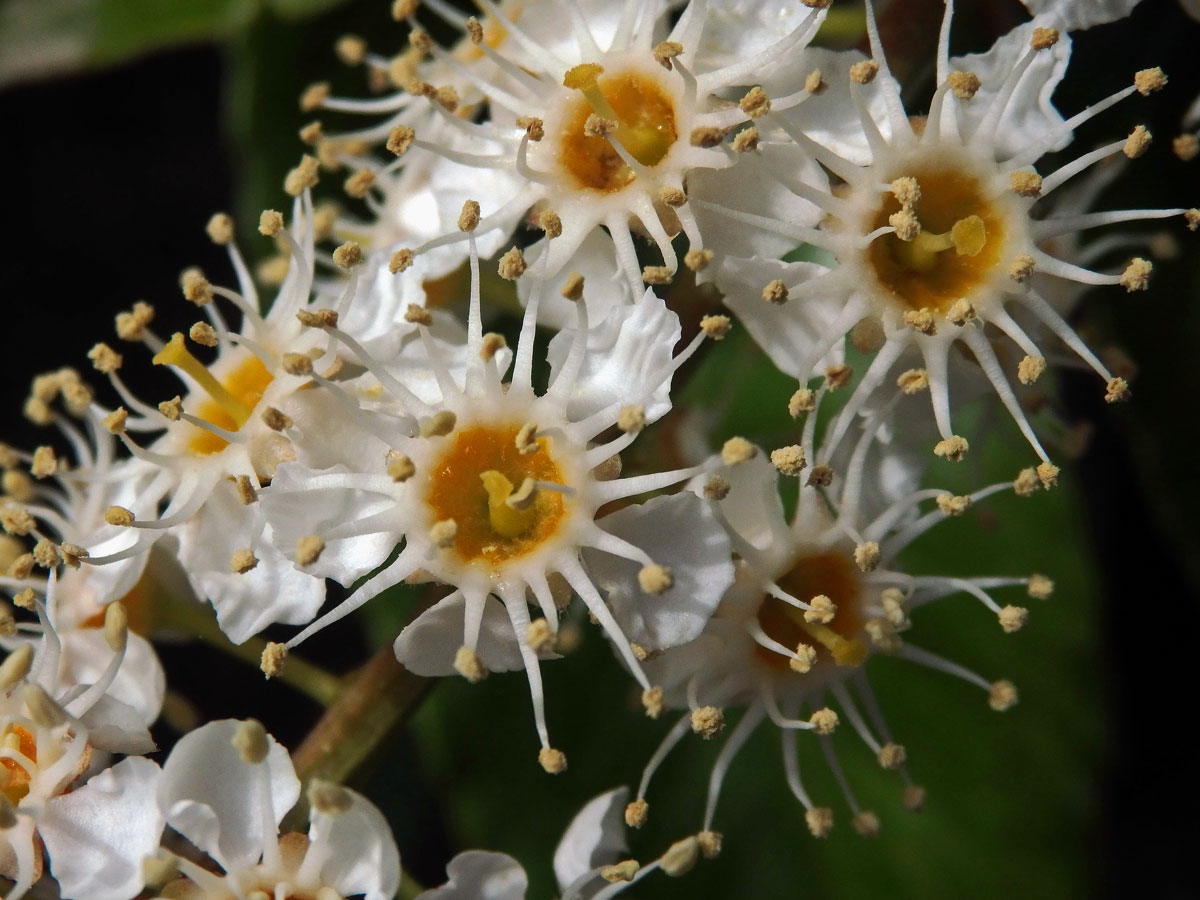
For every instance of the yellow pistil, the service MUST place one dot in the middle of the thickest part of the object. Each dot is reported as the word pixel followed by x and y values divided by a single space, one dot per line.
pixel 506 520
pixel 176 354
pixel 967 237
pixel 645 126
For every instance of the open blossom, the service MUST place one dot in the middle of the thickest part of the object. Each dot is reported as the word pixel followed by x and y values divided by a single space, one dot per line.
pixel 226 787
pixel 815 594
pixel 939 228
pixel 95 833
pixel 494 488
pixel 594 120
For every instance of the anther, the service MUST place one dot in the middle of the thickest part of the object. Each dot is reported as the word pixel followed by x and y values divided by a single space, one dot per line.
pixel 707 721
pixel 72 554
pixel 866 823
pixel 359 183
pixel 953 448
pixel 131 325
pixel 952 505
pixel 419 40
pixel 400 261
pixel 27 599
pixel 550 223
pixel 533 127
pixel 22 567
pixel 775 292
pixel 1044 38
pixel 538 636
pixel 1192 217
pixel 524 496
pixel 276 419
pixel 242 561
pixel 813 83
pixel 493 343
pixel 247 495
pixel 274 656
pixel 906 224
pixel 251 742
pixel 440 424
pixel 400 468
pixel 824 721
pixel 1026 483
pixel 632 418
pixel 1002 695
pixel 921 320
pixel 1116 391
pixel 1136 276
pixel 837 377
pixel 220 229
pixel 599 126
pixel 706 137
pixel 1012 618
pixel 755 103
pixel 314 96
pixel 512 265
pixel 804 660
pixel 961 312
pixel 655 579
pixel 715 327
pixel 1039 587
pixel 400 140
pixel 572 288
pixel 822 612
pixel 1047 474
pixel 914 797
pixel 1147 81
pixel 913 381
pixel 789 460
pixel 348 255
pixel 652 702
pixel 468 664
pixel 636 813
pixel 297 364
pixel 270 222
pixel 656 275
pixel 312 134
pixel 866 555
pixel 105 359
pixel 44 463
pixel 404 9
pixel 18 485
pixel 623 871
pixel 737 450
pixel 680 857
pixel 15 667
pixel 716 488
pixel 697 259
pixel 308 550
pixel 964 85
pixel 1030 369
pixel 1186 147
pixel 803 401
pixel 118 515
pixel 1025 183
pixel 553 761
pixel 43 709
pixel 821 475
pixel 304 176
pixel 819 820
pixel 864 72
pixel 667 51
pixel 203 334
pixel 443 533
pixel 1138 142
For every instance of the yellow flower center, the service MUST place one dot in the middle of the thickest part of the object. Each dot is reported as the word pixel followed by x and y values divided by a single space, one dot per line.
pixel 14 780
pixel 231 401
pixel 645 117
pixel 477 483
pixel 836 641
pixel 961 239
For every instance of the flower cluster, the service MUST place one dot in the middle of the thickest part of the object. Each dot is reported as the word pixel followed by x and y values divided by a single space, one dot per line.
pixel 561 157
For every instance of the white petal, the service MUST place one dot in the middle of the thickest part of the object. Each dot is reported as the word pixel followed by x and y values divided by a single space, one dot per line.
pixel 116 727
pixel 603 286
pixel 363 858
pixel 481 875
pixel 213 798
pixel 98 835
pixel 677 531
pixel 753 507
pixel 595 837
pixel 627 355
pixel 429 644
pixel 140 682
pixel 1076 14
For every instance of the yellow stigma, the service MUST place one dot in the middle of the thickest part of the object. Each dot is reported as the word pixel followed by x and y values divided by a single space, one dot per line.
pixel 967 237
pixel 505 520
pixel 645 117
pixel 845 651
pixel 176 354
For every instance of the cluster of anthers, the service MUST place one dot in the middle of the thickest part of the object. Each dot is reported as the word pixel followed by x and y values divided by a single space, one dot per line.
pixel 353 429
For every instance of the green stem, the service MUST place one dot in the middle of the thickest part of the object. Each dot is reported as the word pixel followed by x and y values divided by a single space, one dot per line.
pixel 409 888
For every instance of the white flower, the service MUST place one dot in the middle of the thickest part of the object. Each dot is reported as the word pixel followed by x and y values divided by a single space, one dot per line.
pixel 601 129
pixel 227 785
pixel 814 595
pixel 96 834
pixel 1075 15
pixel 494 488
pixel 937 231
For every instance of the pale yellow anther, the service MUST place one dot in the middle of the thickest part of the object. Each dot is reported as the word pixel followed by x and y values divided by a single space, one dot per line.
pixel 358 183
pixel 907 191
pixel 118 515
pixel 274 656
pixel 866 555
pixel 468 218
pixel 837 377
pixel 1116 390
pixel 246 492
pixel 468 664
pixel 313 134
pixel 804 660
pixel 824 721
pixel 1012 618
pixel 600 126
pixel 533 127
pixel 72 554
pixel 251 742
pixel 348 255
pixel 314 96
pixel 737 450
pixel 1030 369
pixel 1002 695
pixel 400 139
pixel 952 505
pixel 196 288
pixel 803 401
pixel 716 488
pixel 298 364
pixel 657 275
pixel 1047 474
pixel 26 599
pixel 1025 183
pixel 715 327
pixel 276 419
pixel 116 627
pixel 653 703
pixel 820 475
pixel 553 761
pixel 220 229
pixel 706 137
pixel 1136 276
pixel 655 579
pixel 400 468
pixel 46 554
pixel 440 424
pixel 680 857
pixel 443 533
pixel 16 484
pixel 1026 483
pixel 1039 587
pixel 636 813
pixel 914 798
pixel 493 343
pixel 906 223
pixel 1138 142
pixel 813 83
pixel 789 460
pixel 623 871
pixel 921 320
pixel 172 410
pixel 15 666
pixel 539 636
pixel 131 325
pixel 400 261
pixel 526 439
pixel 755 103
pixel 746 140
pixel 892 600
pixel 632 418
pixel 309 549
pixel 1044 38
pixel 22 567
pixel 105 359
pixel 864 72
pixel 270 222
pixel 1186 147
pixel 866 823
pixel 512 265
pixel 550 223
pixel 1021 267
pixel 822 612
pixel 1147 81
pixel 242 561
pixel 964 85
pixel 913 381
pixel 819 820
pixel 203 334
pixel 44 463
pixel 328 798
pixel 418 315
pixel 303 177
pixel 710 843
pixel 892 756
pixel 474 30
pixel 667 51
pixel 16 520
pixel 707 721
pixel 572 288
pixel 697 259
pixel 775 292
pixel 953 448
pixel 521 499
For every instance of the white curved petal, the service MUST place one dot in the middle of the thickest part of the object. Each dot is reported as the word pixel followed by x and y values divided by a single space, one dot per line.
pixel 115 726
pixel 429 644
pixel 363 858
pixel 753 507
pixel 603 286
pixel 213 798
pixel 481 875
pixel 140 682
pixel 98 835
pixel 1076 14
pixel 680 532
pixel 595 837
